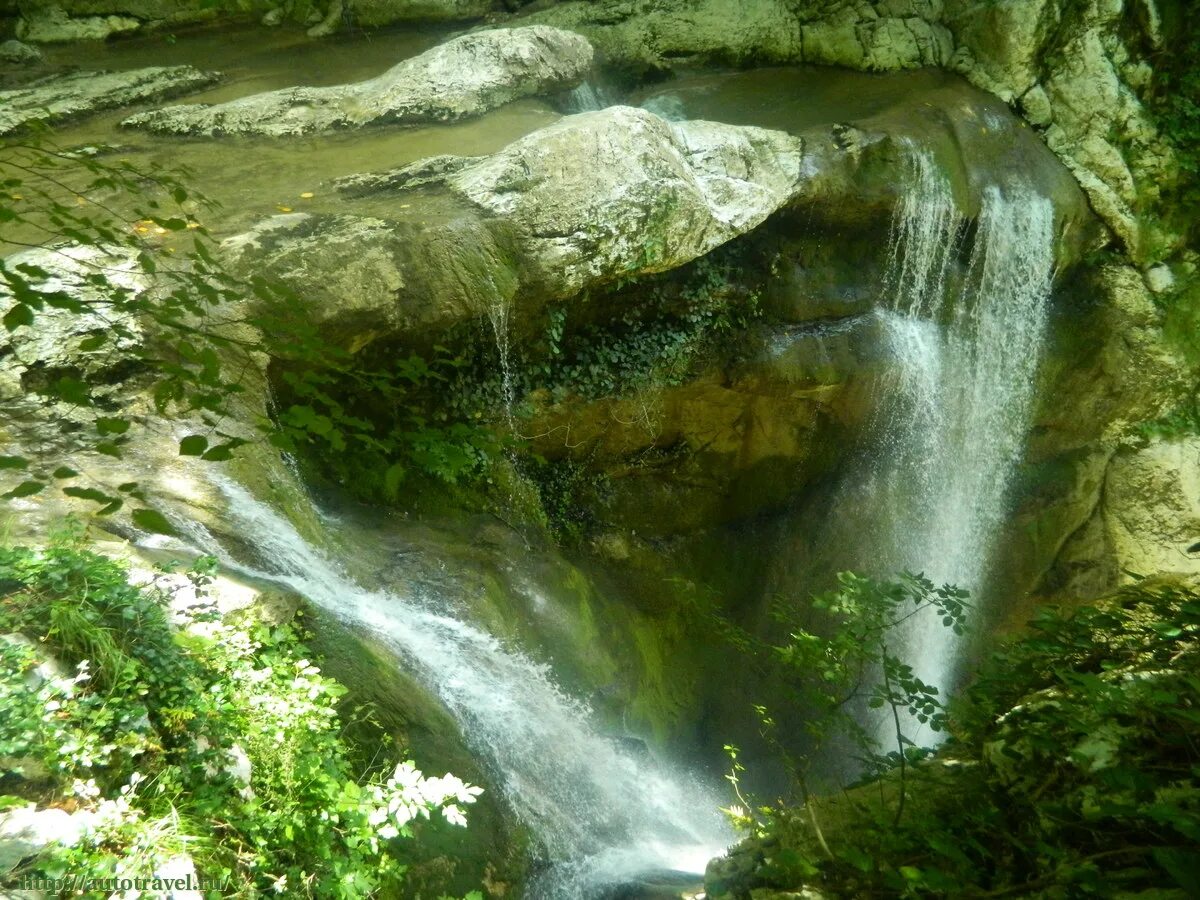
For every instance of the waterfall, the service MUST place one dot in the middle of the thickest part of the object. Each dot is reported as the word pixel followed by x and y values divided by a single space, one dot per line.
pixel 586 97
pixel 498 316
pixel 601 814
pixel 951 428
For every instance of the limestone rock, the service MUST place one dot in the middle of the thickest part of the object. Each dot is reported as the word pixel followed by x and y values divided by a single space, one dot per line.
pixel 591 198
pixel 1152 507
pixel 384 12
pixel 27 831
pixel 621 192
pixel 463 77
pixel 16 53
pixel 61 97
pixel 52 25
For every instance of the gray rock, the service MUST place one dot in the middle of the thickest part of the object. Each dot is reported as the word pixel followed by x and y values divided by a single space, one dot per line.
pixel 593 197
pixel 63 97
pixel 463 77
pixel 19 54
pixel 27 831
pixel 46 667
pixel 53 25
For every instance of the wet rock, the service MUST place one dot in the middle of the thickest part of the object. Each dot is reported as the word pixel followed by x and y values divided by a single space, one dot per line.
pixel 385 12
pixel 463 77
pixel 591 198
pixel 52 25
pixel 61 97
pixel 16 53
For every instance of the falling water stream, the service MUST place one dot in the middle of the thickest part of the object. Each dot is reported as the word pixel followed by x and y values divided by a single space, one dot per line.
pixel 602 815
pixel 952 422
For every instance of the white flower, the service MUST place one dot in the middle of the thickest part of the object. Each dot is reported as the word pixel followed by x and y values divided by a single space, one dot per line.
pixel 280 884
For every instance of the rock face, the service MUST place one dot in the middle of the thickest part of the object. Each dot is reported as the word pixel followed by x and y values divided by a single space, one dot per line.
pixel 594 197
pixel 52 25
pixel 463 77
pixel 26 831
pixel 61 97
pixel 1077 71
pixel 869 35
pixel 16 53
pixel 1144 519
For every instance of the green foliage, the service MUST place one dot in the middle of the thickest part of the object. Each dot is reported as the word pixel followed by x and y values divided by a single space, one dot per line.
pixel 370 421
pixel 220 740
pixel 139 302
pixel 1072 771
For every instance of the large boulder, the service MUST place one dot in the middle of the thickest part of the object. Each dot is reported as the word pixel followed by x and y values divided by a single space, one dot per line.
pixel 62 97
pixel 463 77
pixel 592 198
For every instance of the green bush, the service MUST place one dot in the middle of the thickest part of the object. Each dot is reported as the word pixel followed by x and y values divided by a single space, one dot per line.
pixel 219 740
pixel 1072 770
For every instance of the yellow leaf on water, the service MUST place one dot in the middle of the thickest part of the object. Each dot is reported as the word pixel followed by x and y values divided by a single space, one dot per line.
pixel 307 195
pixel 284 208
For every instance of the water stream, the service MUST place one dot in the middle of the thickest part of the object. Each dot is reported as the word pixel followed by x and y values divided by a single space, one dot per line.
pixel 600 814
pixel 952 422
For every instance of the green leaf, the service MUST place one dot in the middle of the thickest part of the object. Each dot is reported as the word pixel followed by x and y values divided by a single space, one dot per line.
pixel 72 390
pixel 26 488
pixel 152 520
pixel 95 342
pixel 193 445
pixel 219 453
pixel 13 462
pixel 108 448
pixel 64 472
pixel 112 425
pixel 17 316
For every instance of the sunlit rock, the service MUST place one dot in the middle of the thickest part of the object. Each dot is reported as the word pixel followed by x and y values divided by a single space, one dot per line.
pixel 463 77
pixel 61 97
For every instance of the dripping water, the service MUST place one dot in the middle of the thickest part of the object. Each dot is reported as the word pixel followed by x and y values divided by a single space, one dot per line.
pixel 498 315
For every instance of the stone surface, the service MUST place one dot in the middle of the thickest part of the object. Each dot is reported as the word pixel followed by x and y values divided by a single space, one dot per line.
pixel 52 25
pixel 463 77
pixel 1079 70
pixel 384 12
pixel 26 831
pixel 591 198
pixel 62 97
pixel 16 53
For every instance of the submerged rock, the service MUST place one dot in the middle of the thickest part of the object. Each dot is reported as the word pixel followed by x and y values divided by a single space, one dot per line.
pixel 463 77
pixel 61 97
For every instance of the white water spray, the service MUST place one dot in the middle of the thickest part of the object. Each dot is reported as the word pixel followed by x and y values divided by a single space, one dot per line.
pixel 951 431
pixel 601 814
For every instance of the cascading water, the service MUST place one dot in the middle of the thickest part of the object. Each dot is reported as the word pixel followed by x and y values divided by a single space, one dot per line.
pixel 950 430
pixel 601 814
pixel 498 316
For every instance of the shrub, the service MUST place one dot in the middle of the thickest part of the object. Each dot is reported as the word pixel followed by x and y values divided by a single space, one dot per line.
pixel 220 740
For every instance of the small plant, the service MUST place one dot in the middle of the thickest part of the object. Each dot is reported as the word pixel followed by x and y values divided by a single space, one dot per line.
pixel 221 741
